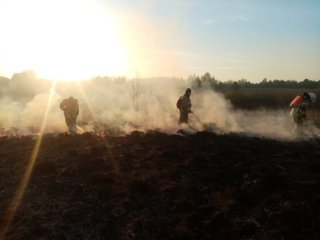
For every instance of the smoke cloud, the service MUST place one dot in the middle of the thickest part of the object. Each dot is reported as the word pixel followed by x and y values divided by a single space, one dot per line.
pixel 118 106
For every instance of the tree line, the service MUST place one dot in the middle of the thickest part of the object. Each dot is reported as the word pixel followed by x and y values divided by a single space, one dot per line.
pixel 209 81
pixel 205 81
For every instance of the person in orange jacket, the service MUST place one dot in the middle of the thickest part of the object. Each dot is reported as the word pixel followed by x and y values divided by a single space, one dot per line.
pixel 299 107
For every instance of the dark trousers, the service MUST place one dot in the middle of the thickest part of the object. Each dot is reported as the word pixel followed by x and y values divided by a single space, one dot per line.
pixel 71 122
pixel 184 118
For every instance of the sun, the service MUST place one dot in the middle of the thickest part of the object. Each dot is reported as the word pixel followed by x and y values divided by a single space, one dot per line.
pixel 60 40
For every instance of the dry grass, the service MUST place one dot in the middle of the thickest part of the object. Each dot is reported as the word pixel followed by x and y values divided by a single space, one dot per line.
pixel 270 98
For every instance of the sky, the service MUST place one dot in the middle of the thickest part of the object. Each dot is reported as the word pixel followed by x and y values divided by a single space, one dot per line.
pixel 230 39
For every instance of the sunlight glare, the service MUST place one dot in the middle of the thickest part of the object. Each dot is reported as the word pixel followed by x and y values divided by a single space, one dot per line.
pixel 60 40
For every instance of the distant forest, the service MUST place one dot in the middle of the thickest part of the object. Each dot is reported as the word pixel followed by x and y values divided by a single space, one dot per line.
pixel 207 80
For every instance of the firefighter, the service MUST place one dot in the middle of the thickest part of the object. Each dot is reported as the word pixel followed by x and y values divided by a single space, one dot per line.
pixel 70 108
pixel 299 107
pixel 184 106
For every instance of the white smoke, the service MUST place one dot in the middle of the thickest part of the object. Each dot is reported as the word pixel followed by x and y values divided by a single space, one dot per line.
pixel 121 106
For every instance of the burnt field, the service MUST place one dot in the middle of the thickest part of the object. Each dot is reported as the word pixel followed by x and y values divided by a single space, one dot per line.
pixel 158 186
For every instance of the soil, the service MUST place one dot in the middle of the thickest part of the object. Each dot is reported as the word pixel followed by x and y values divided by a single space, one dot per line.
pixel 157 186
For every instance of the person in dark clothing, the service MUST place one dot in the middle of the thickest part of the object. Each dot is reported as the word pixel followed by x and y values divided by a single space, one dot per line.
pixel 70 108
pixel 185 106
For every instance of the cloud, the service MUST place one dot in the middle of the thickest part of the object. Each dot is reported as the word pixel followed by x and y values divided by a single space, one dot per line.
pixel 228 18
pixel 208 21
pixel 183 53
pixel 237 18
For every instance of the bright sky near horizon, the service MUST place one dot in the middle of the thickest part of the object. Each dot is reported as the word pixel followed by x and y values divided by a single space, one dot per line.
pixel 231 39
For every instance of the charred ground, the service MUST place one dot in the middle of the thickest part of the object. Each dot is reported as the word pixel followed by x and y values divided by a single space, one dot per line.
pixel 158 186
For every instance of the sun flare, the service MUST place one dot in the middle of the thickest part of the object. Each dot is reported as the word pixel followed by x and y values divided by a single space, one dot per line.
pixel 61 40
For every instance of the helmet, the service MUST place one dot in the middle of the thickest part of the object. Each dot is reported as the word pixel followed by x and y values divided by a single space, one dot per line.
pixel 312 96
